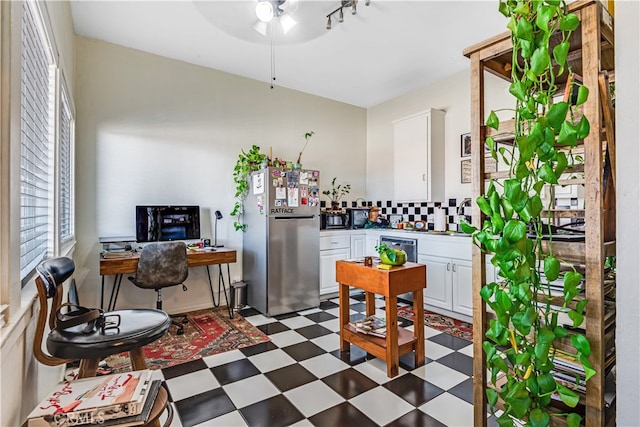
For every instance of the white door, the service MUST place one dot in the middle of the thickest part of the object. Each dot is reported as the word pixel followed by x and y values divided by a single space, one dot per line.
pixel 370 245
pixel 462 286
pixel 438 292
pixel 358 246
pixel 328 260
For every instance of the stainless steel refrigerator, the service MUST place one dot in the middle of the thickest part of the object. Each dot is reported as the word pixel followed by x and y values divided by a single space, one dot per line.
pixel 281 245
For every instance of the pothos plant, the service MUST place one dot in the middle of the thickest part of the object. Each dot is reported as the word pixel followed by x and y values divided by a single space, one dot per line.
pixel 247 162
pixel 520 343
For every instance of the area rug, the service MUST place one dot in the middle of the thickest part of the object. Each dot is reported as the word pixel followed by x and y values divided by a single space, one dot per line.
pixel 445 324
pixel 208 332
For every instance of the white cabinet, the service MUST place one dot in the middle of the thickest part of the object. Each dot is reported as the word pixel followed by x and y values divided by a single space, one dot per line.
pixel 418 157
pixel 358 243
pixel 461 286
pixel 448 283
pixel 328 260
pixel 336 246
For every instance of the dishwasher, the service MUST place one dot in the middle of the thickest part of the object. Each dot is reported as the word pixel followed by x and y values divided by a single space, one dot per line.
pixel 410 246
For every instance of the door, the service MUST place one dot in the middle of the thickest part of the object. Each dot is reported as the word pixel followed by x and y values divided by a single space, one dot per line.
pixel 357 246
pixel 410 158
pixel 293 250
pixel 438 292
pixel 461 279
pixel 328 260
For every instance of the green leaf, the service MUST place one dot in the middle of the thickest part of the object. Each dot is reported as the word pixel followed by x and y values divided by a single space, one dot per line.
pixel 583 94
pixel 551 268
pixel 492 396
pixel 576 317
pixel 568 134
pixel 573 420
pixel 534 206
pixel 467 228
pixel 560 52
pixel 486 292
pixel 561 164
pixel 524 29
pixel 546 173
pixel 504 420
pixel 546 335
pixel 570 22
pixel 557 114
pixel 502 8
pixel 568 396
pixel 545 14
pixel 489 349
pixel 540 61
pixel 539 418
pixel 560 332
pixel 484 206
pixel 515 230
pixel 583 128
pixel 588 369
pixel 511 188
pixel 547 383
pixel 541 351
pixel 507 208
pixel 518 90
pixel 492 120
pixel 581 344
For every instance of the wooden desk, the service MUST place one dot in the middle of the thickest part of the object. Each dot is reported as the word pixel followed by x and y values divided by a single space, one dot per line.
pixel 127 265
pixel 410 277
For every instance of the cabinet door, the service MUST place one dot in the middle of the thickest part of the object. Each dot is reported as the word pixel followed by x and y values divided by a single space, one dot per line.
pixel 438 292
pixel 328 260
pixel 462 286
pixel 410 158
pixel 358 246
pixel 370 245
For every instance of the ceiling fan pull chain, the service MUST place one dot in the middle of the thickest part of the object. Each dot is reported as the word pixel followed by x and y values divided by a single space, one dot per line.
pixel 273 60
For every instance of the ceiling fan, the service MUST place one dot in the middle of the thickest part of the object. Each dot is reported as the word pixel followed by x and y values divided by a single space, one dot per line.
pixel 267 10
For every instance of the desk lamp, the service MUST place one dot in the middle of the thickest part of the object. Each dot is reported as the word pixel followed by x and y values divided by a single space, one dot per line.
pixel 215 241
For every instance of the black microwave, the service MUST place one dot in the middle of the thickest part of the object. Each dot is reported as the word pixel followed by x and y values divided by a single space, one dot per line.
pixel 358 217
pixel 329 220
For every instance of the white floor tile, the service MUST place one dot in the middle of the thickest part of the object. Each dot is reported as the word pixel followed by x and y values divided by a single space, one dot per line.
pixel 430 332
pixel 327 342
pixel 231 419
pixel 271 360
pixel 379 302
pixel 435 351
pixel 449 410
pixel 440 375
pixel 335 311
pixel 286 338
pixel 191 384
pixel 250 390
pixel 333 325
pixel 223 358
pixel 369 403
pixel 259 319
pixel 297 322
pixel 324 365
pixel 302 423
pixel 468 350
pixel 309 311
pixel 376 369
pixel 313 397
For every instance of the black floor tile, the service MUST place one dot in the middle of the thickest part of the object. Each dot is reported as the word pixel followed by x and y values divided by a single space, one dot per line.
pixel 246 312
pixel 416 418
pixel 290 377
pixel 274 412
pixel 353 356
pixel 234 371
pixel 458 361
pixel 464 390
pixel 258 348
pixel 408 361
pixel 359 296
pixel 273 328
pixel 349 383
pixel 313 331
pixel 404 323
pixel 285 316
pixel 166 388
pixel 449 341
pixel 413 389
pixel 183 369
pixel 328 305
pixel 303 350
pixel 344 414
pixel 361 307
pixel 320 317
pixel 203 407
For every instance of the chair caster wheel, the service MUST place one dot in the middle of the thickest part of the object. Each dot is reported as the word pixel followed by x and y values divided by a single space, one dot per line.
pixel 180 332
pixel 185 320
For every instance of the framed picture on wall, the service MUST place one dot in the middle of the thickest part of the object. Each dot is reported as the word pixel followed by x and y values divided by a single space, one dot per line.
pixel 465 171
pixel 465 145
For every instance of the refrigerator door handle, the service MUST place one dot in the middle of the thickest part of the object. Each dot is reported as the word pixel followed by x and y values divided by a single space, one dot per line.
pixel 288 218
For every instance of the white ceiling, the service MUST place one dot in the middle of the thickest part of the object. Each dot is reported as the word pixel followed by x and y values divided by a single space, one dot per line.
pixel 387 49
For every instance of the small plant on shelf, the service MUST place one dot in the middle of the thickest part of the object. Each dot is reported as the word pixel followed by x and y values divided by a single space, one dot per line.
pixel 336 193
pixel 307 137
pixel 247 162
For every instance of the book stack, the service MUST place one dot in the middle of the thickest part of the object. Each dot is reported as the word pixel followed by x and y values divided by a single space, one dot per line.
pixel 122 400
pixel 371 325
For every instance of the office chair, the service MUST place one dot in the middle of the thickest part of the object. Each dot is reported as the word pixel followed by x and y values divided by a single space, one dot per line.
pixel 137 327
pixel 162 265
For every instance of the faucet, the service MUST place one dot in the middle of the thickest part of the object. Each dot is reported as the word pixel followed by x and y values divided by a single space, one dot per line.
pixel 460 211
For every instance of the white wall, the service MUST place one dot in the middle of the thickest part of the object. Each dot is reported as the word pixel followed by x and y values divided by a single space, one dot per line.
pixel 152 130
pixel 453 95
pixel 628 210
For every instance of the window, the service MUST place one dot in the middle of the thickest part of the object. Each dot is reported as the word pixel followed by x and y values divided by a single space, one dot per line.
pixel 66 231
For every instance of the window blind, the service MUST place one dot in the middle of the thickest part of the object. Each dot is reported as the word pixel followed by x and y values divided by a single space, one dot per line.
pixel 65 169
pixel 36 143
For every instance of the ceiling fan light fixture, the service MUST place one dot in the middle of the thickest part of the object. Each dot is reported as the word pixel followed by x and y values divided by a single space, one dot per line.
pixel 287 22
pixel 264 11
pixel 261 27
pixel 341 16
pixel 329 23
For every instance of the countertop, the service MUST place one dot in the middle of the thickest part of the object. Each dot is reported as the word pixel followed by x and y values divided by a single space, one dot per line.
pixel 394 230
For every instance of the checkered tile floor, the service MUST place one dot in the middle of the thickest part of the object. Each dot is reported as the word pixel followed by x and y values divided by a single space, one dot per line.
pixel 300 378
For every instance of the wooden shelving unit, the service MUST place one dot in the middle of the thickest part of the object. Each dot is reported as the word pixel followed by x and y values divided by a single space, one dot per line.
pixel 591 53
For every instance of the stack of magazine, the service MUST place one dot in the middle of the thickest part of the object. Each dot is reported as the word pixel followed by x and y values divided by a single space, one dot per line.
pixel 121 400
pixel 371 325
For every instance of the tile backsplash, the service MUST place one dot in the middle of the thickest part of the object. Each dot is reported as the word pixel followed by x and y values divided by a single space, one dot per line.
pixel 415 211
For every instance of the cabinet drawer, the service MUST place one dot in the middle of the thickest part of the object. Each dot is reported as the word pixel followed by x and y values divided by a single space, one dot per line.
pixel 334 242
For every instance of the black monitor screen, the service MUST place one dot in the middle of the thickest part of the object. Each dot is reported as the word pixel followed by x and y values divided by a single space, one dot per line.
pixel 161 223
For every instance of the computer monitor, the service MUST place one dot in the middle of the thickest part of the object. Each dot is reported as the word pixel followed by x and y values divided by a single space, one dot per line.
pixel 166 222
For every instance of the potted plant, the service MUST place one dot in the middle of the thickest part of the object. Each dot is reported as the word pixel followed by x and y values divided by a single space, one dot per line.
pixel 520 343
pixel 391 256
pixel 336 193
pixel 247 162
pixel 307 137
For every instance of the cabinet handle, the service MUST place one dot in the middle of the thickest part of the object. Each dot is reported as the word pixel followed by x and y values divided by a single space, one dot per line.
pixel 334 243
pixel 424 176
pixel 448 266
pixel 454 268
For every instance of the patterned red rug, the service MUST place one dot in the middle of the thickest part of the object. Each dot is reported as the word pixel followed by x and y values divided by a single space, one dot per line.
pixel 445 324
pixel 208 332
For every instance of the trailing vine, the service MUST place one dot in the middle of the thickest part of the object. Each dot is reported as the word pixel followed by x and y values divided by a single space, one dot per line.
pixel 521 342
pixel 247 162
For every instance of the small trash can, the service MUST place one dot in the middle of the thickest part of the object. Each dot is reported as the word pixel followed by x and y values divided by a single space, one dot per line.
pixel 238 295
